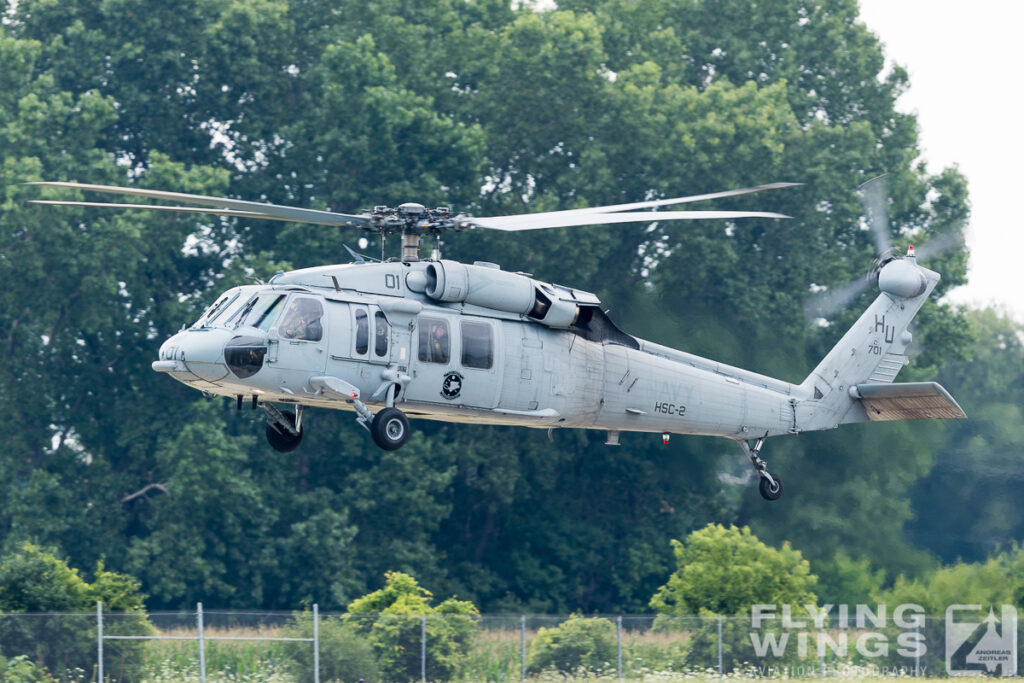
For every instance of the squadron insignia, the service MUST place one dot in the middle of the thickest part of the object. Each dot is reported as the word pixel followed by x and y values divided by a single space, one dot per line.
pixel 451 387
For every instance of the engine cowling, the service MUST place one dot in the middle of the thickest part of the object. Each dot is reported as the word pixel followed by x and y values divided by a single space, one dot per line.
pixel 488 286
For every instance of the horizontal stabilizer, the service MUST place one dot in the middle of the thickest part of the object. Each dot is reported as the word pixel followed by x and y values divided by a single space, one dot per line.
pixel 907 401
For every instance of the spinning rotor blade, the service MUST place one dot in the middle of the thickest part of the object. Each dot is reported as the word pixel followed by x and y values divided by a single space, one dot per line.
pixel 564 219
pixel 941 243
pixel 645 205
pixel 181 209
pixel 242 208
pixel 827 303
pixel 873 197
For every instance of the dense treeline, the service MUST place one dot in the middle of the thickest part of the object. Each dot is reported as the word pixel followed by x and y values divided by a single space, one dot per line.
pixel 489 109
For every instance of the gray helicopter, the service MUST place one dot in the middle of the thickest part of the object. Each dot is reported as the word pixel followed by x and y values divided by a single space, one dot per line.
pixel 442 340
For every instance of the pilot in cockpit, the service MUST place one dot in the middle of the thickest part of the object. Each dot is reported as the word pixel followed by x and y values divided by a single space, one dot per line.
pixel 302 321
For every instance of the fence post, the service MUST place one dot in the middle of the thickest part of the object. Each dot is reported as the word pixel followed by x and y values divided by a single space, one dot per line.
pixel 202 650
pixel 522 647
pixel 316 643
pixel 721 669
pixel 423 647
pixel 917 650
pixel 1016 661
pixel 821 645
pixel 99 641
pixel 619 639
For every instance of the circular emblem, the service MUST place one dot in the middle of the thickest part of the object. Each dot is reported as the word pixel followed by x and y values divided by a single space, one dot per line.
pixel 451 387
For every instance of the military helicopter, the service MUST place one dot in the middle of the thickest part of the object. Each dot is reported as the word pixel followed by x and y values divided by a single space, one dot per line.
pixel 472 343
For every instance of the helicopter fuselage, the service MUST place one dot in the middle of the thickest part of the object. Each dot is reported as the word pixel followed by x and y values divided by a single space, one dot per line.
pixel 551 358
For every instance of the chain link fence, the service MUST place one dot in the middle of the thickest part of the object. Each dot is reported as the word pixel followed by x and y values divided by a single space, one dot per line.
pixel 203 645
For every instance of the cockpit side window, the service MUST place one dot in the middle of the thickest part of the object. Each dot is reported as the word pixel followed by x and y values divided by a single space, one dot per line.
pixel 270 315
pixel 301 320
pixel 381 330
pixel 434 345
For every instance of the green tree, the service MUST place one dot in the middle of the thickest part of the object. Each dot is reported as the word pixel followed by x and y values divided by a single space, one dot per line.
pixel 843 580
pixel 305 103
pixel 396 618
pixel 976 471
pixel 721 573
pixel 722 570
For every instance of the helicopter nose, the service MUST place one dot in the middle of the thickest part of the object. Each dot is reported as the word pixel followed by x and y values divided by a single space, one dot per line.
pixel 200 352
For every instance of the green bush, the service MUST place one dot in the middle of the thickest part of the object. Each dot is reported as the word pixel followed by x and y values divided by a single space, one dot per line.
pixel 575 646
pixel 47 613
pixel 394 618
pixel 21 669
pixel 345 653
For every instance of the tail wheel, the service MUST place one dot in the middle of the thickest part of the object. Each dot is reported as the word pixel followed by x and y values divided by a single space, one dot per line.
pixel 390 429
pixel 279 438
pixel 771 489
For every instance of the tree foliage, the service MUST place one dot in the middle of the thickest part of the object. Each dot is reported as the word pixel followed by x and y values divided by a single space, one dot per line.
pixel 399 617
pixel 61 636
pixel 723 570
pixel 491 107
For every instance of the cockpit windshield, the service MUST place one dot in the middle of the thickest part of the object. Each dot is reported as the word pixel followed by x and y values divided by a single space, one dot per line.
pixel 217 309
pixel 260 310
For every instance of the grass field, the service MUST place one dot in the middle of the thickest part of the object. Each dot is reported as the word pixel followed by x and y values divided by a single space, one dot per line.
pixel 494 657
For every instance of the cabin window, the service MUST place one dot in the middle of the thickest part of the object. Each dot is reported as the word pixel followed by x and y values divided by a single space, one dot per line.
pixel 362 333
pixel 381 332
pixel 434 341
pixel 477 345
pixel 302 320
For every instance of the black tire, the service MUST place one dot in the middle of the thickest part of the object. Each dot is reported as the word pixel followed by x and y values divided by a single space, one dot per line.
pixel 770 491
pixel 390 429
pixel 283 442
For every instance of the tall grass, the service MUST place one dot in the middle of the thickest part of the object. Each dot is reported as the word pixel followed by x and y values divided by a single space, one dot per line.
pixel 226 661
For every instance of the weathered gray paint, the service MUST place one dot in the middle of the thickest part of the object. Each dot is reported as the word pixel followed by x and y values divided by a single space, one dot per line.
pixel 543 376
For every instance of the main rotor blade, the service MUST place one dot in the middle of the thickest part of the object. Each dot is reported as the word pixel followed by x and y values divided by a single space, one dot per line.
pixel 565 219
pixel 648 204
pixel 874 195
pixel 274 211
pixel 181 209
pixel 825 304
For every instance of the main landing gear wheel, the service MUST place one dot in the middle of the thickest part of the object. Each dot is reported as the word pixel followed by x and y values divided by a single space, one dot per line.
pixel 390 429
pixel 771 489
pixel 280 439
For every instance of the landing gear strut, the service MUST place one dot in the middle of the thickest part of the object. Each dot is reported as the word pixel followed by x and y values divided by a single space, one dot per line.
pixel 770 484
pixel 389 428
pixel 284 428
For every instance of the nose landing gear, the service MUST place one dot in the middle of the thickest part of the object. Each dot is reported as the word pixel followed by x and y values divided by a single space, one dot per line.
pixel 284 428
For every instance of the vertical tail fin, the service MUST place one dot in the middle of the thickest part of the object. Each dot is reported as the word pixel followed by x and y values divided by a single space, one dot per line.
pixel 872 351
